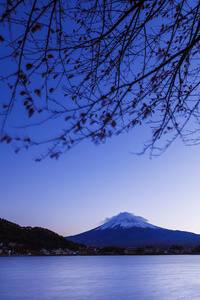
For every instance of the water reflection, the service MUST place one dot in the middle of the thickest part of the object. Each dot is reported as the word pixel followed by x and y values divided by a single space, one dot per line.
pixel 100 278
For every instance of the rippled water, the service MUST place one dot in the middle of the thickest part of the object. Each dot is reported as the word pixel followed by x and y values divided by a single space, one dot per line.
pixel 100 277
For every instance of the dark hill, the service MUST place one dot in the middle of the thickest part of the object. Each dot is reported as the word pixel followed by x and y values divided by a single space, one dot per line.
pixel 34 238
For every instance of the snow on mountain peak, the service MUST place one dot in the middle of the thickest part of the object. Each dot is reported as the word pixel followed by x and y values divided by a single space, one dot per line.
pixel 126 220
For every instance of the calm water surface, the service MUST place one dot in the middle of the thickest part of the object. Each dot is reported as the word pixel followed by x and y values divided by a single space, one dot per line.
pixel 100 277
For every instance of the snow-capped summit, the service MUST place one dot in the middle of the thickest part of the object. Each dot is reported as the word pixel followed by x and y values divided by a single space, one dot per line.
pixel 128 230
pixel 125 220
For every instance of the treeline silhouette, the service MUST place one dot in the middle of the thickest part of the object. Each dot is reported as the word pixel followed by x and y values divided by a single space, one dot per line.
pixel 34 238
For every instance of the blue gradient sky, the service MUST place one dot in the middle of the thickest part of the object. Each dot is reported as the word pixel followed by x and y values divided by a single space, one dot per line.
pixel 89 183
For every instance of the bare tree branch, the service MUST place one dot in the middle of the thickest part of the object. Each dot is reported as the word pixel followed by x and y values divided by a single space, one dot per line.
pixel 100 68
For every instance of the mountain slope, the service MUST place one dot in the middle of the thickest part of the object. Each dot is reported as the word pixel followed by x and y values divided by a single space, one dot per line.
pixel 127 230
pixel 34 238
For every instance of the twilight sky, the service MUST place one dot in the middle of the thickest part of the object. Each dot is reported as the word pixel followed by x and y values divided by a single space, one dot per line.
pixel 90 183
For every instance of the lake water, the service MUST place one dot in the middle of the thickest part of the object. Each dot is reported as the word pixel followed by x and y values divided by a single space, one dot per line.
pixel 100 278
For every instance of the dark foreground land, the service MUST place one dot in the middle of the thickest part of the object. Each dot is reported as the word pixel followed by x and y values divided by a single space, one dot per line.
pixel 17 240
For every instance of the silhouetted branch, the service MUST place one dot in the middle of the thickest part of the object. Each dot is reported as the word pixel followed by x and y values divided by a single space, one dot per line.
pixel 100 68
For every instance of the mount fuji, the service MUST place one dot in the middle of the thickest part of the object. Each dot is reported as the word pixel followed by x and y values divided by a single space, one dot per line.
pixel 128 230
